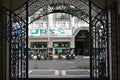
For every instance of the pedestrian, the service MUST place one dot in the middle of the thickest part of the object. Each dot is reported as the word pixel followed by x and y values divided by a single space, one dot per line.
pixel 78 52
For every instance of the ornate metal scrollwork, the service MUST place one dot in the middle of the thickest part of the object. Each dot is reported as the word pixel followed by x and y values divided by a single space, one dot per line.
pixel 18 48
pixel 80 8
pixel 16 37
pixel 99 33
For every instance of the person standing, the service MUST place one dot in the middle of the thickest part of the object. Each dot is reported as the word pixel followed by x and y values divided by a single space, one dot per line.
pixel 78 52
pixel 59 54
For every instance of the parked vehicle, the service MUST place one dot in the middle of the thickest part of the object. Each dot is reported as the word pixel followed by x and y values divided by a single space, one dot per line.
pixel 50 56
pixel 70 55
pixel 31 56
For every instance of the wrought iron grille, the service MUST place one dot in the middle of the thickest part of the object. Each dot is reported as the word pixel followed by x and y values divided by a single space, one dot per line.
pixel 16 35
pixel 18 47
pixel 98 29
pixel 17 26
pixel 79 8
pixel 100 46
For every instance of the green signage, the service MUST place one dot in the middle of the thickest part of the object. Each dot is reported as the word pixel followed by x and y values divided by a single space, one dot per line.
pixel 43 31
pixel 50 32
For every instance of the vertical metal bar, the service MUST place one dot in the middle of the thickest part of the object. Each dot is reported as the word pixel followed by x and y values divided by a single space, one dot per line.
pixel 2 39
pixel 110 41
pixel 26 40
pixel 107 44
pixel 117 46
pixel 21 53
pixel 10 44
pixel 114 8
pixel 95 53
pixel 107 27
pixel 90 39
pixel 18 58
pixel 15 57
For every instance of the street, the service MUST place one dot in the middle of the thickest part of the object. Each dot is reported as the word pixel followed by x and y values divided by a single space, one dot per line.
pixel 77 68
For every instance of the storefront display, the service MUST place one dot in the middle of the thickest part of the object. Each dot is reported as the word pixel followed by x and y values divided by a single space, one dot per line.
pixel 61 47
pixel 40 47
pixel 38 44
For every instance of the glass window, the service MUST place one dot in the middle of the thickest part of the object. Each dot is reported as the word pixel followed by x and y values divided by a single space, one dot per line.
pixel 38 44
pixel 61 44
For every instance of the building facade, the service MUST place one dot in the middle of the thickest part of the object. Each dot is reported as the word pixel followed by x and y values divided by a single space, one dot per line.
pixel 56 30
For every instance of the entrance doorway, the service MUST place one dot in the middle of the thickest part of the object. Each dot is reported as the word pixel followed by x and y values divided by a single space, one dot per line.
pixel 79 47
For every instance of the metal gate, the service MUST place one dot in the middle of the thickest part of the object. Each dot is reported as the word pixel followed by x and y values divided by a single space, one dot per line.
pixel 16 35
pixel 100 34
pixel 18 46
pixel 100 43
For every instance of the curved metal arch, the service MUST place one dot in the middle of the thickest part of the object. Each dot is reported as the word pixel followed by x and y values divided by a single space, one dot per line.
pixel 84 16
pixel 35 5
pixel 15 18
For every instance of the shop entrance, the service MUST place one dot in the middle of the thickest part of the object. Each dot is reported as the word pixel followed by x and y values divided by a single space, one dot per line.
pixel 82 43
pixel 78 48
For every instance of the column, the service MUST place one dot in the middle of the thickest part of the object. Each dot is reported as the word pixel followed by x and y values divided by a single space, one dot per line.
pixel 118 39
pixel 50 25
pixel 72 41
pixel 115 42
pixel 50 20
pixel 1 44
pixel 72 25
pixel 72 21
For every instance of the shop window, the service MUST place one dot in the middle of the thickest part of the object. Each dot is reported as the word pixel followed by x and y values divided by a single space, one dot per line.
pixel 61 44
pixel 61 47
pixel 38 45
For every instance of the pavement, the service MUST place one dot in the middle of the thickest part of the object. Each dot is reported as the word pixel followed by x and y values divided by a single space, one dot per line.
pixel 77 68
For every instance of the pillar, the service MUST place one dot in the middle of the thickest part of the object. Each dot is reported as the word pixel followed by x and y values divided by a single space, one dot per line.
pixel 3 45
pixel 115 42
pixel 50 20
pixel 1 53
pixel 72 25
pixel 72 21
pixel 50 25
pixel 72 41
pixel 118 26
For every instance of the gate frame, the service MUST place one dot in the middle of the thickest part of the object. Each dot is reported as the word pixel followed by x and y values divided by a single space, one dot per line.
pixel 90 22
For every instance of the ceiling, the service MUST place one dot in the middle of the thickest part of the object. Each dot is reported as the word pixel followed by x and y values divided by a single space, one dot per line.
pixel 15 4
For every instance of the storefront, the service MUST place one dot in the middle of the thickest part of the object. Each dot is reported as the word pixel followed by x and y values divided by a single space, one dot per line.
pixel 61 47
pixel 42 40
